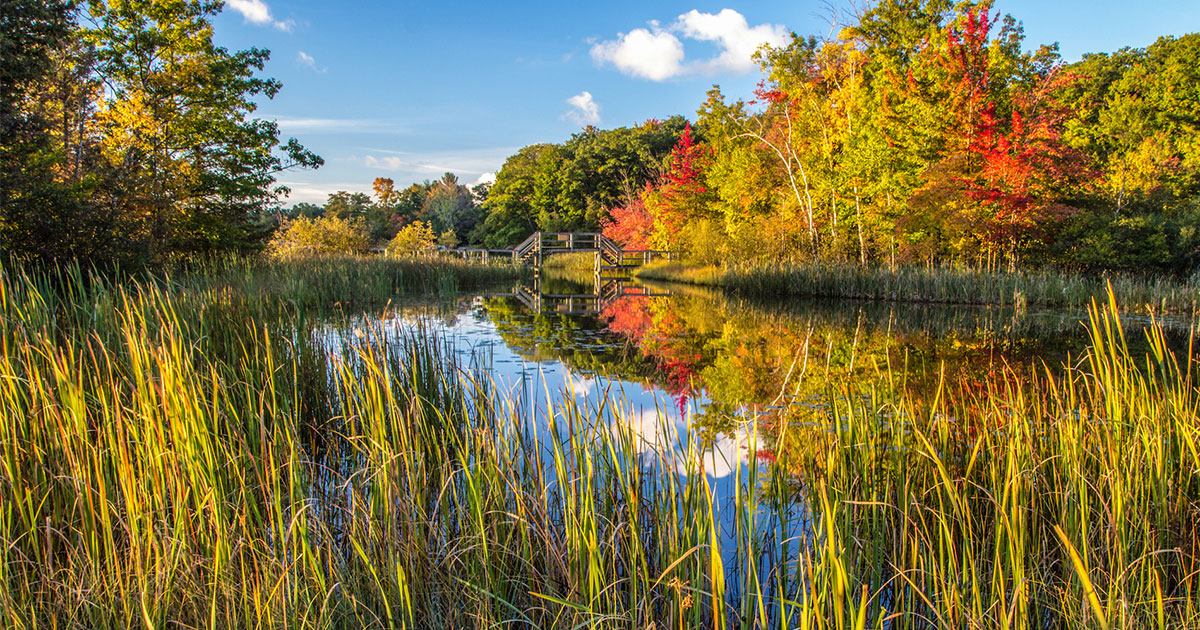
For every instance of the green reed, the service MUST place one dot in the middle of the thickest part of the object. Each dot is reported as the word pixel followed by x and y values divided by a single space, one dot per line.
pixel 202 452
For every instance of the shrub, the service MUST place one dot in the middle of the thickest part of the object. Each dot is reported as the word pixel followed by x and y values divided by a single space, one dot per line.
pixel 448 239
pixel 304 237
pixel 414 239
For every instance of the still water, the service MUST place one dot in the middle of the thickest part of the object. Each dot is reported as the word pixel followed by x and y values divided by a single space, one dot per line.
pixel 685 367
pixel 697 373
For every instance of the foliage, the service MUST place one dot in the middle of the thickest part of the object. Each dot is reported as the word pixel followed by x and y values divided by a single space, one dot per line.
pixel 448 239
pixel 445 204
pixel 415 239
pixel 303 237
pixel 573 185
pixel 149 150
pixel 450 206
pixel 924 132
pixel 630 225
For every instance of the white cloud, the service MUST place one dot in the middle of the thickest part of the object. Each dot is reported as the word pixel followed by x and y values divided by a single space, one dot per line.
pixel 469 162
pixel 658 54
pixel 585 110
pixel 337 125
pixel 257 12
pixel 738 40
pixel 318 192
pixel 488 178
pixel 309 62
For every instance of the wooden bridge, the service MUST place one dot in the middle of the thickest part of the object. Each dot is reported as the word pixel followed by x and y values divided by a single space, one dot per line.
pixel 606 292
pixel 610 257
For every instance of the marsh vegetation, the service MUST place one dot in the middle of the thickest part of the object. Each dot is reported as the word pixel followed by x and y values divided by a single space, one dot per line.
pixel 296 446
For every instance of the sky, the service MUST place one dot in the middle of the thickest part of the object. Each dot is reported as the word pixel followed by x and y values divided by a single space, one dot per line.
pixel 412 89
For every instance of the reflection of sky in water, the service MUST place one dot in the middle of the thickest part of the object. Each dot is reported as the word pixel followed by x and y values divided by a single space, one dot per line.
pixel 531 385
pixel 651 414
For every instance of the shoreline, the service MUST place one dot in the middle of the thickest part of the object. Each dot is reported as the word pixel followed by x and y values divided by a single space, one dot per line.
pixel 938 286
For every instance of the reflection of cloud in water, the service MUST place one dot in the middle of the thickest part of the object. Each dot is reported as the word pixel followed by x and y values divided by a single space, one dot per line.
pixel 580 386
pixel 532 388
pixel 657 433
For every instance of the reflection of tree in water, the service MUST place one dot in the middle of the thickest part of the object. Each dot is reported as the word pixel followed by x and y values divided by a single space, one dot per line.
pixel 663 337
pixel 754 357
pixel 579 342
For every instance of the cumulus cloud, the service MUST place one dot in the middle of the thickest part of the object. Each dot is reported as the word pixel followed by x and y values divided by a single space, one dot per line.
pixel 488 178
pixel 584 109
pixel 309 62
pixel 655 54
pixel 737 39
pixel 658 53
pixel 257 12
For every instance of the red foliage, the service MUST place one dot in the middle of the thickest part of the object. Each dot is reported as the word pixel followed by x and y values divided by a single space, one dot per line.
pixel 1023 162
pixel 681 186
pixel 764 94
pixel 686 164
pixel 628 316
pixel 630 225
pixel 968 58
pixel 1017 161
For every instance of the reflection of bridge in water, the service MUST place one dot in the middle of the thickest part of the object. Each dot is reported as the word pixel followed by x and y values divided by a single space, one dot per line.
pixel 611 258
pixel 606 291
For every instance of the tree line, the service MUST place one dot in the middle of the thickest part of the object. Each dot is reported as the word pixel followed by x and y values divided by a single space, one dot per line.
pixel 922 133
pixel 570 186
pixel 448 208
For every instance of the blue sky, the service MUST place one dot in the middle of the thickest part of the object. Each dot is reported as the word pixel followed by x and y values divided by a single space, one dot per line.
pixel 409 90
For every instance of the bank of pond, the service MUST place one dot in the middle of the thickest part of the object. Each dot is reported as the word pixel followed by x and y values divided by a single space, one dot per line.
pixel 932 285
pixel 390 443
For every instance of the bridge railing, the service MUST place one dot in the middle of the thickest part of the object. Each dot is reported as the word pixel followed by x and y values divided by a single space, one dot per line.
pixel 646 256
pixel 538 244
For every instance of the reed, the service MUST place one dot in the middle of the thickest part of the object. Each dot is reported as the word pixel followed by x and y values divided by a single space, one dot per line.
pixel 193 452
pixel 941 285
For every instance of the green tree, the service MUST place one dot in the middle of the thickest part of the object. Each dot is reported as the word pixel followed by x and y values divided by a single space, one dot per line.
pixel 448 239
pixel 450 205
pixel 176 126
pixel 307 210
pixel 572 186
pixel 36 200
pixel 347 205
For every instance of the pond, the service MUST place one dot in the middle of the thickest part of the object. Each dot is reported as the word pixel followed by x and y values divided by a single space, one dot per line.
pixel 712 365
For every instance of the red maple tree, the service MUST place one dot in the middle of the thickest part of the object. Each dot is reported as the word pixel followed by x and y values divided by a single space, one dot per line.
pixel 631 225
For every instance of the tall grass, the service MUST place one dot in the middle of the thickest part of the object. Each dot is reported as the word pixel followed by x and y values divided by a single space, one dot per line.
pixel 171 457
pixel 951 286
pixel 578 264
